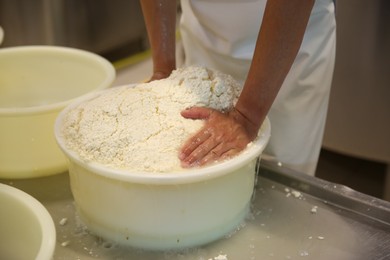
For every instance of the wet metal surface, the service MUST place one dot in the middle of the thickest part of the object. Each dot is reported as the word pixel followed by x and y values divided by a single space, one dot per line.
pixel 293 216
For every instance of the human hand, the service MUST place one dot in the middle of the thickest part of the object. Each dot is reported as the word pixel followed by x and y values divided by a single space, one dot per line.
pixel 160 75
pixel 223 136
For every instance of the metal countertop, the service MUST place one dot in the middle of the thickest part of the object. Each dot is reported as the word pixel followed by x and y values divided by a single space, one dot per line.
pixel 293 216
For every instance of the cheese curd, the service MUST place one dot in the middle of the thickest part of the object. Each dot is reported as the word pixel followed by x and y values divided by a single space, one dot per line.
pixel 139 128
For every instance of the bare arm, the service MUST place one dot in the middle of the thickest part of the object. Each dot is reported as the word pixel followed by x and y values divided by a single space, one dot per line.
pixel 277 45
pixel 160 20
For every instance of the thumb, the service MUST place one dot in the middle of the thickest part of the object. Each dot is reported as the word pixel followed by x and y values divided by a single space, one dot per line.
pixel 197 113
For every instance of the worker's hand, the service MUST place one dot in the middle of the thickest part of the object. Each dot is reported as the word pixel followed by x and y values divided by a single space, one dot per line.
pixel 223 136
pixel 160 75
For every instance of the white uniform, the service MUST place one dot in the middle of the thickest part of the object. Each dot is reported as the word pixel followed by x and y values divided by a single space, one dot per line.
pixel 221 34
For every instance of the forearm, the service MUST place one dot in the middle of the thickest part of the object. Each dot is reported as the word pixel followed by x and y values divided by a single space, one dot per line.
pixel 160 20
pixel 280 37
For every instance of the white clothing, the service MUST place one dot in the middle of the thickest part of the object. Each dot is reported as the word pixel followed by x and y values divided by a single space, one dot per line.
pixel 221 34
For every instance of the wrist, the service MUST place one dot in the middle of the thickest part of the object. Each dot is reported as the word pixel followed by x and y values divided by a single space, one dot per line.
pixel 163 66
pixel 252 127
pixel 160 75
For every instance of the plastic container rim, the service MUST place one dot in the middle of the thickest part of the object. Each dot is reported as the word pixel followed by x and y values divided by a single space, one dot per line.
pixel 21 111
pixel 48 242
pixel 176 177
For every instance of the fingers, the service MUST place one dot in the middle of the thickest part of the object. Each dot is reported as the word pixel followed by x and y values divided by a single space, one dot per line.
pixel 196 142
pixel 205 148
pixel 219 153
pixel 199 145
pixel 221 137
pixel 197 113
pixel 208 152
pixel 198 154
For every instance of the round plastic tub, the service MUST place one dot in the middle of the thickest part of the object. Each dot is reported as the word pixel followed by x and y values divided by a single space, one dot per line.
pixel 27 230
pixel 36 83
pixel 163 210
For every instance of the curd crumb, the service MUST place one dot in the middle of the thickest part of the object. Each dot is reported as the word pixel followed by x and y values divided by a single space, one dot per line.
pixel 63 221
pixel 219 257
pixel 296 194
pixel 314 210
pixel 65 244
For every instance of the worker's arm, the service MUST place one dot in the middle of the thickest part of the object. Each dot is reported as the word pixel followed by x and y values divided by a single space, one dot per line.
pixel 280 37
pixel 160 20
pixel 279 40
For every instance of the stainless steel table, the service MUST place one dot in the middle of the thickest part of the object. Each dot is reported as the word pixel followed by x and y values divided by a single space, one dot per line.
pixel 293 216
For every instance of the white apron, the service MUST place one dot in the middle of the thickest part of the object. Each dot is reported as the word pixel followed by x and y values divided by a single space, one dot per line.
pixel 221 34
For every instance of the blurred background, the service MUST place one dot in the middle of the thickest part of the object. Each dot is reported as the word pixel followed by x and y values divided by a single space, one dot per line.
pixel 356 146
